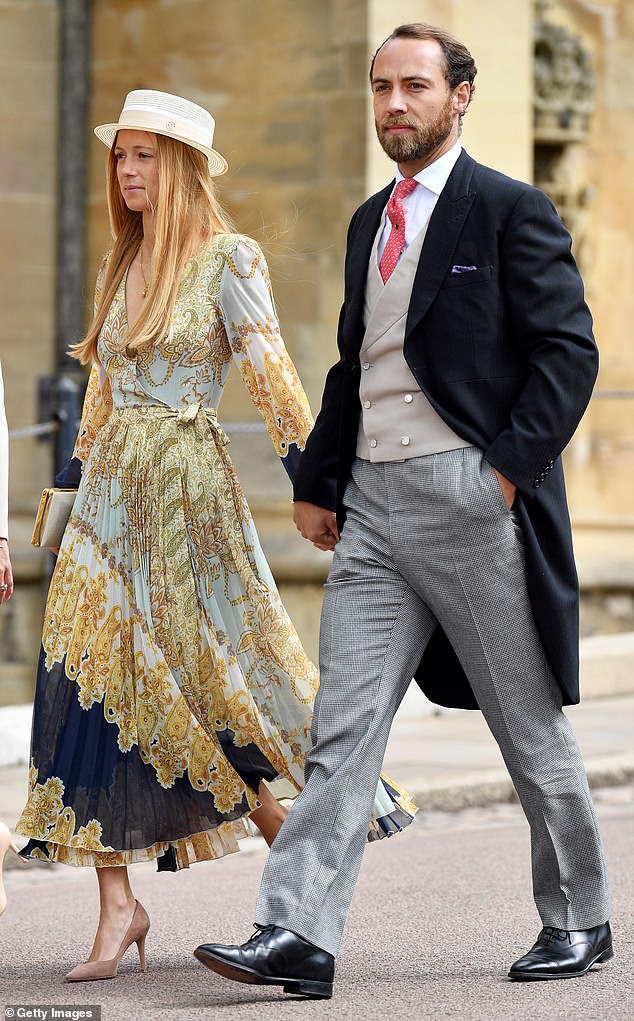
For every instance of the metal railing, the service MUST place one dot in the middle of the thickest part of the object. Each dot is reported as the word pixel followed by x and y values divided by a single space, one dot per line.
pixel 41 429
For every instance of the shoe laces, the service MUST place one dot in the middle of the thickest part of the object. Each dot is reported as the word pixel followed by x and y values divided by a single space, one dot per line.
pixel 259 931
pixel 550 934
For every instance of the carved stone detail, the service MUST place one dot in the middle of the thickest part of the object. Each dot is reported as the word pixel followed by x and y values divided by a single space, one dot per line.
pixel 564 82
pixel 563 102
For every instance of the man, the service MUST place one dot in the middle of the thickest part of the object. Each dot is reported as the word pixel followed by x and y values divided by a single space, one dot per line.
pixel 467 360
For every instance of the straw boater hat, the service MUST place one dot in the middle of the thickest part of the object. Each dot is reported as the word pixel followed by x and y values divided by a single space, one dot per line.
pixel 164 114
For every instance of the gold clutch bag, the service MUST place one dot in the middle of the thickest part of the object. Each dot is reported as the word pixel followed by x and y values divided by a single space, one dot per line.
pixel 52 517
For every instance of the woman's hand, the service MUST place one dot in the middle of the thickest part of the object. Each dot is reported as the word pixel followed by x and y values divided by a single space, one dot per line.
pixel 6 572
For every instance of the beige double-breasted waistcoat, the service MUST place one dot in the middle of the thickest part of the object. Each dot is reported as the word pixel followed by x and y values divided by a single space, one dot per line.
pixel 397 420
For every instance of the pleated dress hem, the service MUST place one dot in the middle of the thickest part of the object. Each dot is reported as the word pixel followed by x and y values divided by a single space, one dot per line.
pixel 181 853
pixel 184 852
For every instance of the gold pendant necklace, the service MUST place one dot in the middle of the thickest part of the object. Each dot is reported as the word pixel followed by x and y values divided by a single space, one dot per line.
pixel 145 283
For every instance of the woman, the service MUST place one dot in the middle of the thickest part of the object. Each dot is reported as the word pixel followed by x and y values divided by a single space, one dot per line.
pixel 174 697
pixel 6 588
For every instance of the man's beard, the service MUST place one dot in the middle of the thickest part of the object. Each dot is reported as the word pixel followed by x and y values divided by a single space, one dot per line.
pixel 419 144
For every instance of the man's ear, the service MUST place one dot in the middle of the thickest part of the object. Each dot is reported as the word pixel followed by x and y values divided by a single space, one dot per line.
pixel 461 97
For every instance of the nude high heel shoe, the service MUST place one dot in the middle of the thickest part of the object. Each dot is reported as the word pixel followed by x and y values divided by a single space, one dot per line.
pixel 6 842
pixel 92 971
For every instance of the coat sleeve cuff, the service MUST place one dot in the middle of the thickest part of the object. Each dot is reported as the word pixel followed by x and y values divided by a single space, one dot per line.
pixel 528 477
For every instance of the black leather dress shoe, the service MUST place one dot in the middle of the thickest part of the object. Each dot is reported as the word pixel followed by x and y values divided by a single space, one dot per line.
pixel 562 954
pixel 273 957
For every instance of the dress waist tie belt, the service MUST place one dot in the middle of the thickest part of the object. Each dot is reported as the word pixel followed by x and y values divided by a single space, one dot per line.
pixel 193 415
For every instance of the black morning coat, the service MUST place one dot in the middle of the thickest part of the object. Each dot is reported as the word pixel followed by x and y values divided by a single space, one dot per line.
pixel 506 356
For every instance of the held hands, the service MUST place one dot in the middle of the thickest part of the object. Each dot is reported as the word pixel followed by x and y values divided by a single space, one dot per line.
pixel 316 524
pixel 508 489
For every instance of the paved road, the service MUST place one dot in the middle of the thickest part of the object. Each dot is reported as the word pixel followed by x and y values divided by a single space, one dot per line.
pixel 439 914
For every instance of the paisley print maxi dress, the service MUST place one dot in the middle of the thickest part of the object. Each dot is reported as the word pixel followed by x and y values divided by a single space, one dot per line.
pixel 171 680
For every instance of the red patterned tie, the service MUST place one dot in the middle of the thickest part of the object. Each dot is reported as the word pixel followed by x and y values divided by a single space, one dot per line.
pixel 396 241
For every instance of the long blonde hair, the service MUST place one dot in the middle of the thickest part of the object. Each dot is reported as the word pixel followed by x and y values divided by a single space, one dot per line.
pixel 186 211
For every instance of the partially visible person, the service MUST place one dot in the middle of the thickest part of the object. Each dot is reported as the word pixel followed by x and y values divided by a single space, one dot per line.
pixel 6 843
pixel 6 588
pixel 6 573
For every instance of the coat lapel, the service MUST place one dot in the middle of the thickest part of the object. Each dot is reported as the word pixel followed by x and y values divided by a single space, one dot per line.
pixel 444 229
pixel 358 258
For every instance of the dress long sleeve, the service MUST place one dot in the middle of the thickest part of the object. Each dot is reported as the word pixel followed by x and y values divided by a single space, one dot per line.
pixel 96 411
pixel 253 333
pixel 4 466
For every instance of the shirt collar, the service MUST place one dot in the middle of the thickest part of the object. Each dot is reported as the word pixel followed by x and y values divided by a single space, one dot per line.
pixel 434 177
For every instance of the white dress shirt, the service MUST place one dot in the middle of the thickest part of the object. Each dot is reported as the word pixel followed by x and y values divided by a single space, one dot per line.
pixel 419 205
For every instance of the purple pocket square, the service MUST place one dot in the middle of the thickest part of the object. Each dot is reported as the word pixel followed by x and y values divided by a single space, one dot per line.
pixel 463 269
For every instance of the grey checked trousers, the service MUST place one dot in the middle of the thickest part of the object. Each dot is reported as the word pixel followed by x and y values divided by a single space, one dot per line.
pixel 430 540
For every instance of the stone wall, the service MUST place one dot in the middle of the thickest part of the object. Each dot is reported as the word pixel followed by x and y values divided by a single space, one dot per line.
pixel 28 175
pixel 601 487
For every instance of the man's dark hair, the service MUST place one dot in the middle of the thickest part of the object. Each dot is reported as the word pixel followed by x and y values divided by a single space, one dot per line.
pixel 459 64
